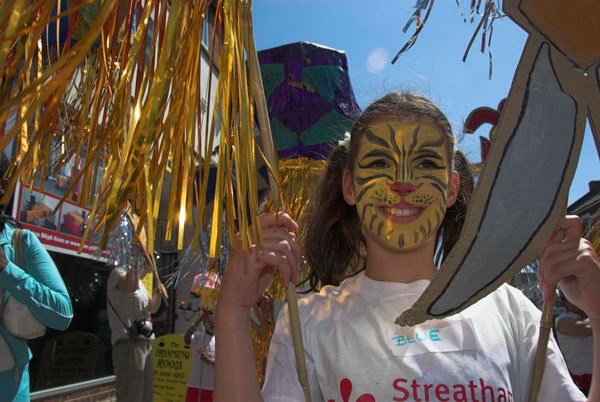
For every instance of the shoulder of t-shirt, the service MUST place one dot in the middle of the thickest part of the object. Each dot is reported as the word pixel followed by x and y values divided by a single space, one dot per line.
pixel 196 339
pixel 512 294
pixel 116 274
pixel 308 306
pixel 313 302
pixel 517 304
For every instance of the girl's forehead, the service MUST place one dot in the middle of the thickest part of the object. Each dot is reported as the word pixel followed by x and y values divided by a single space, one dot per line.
pixel 390 133
pixel 399 127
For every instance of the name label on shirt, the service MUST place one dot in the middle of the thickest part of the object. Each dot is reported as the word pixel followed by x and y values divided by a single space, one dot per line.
pixel 432 337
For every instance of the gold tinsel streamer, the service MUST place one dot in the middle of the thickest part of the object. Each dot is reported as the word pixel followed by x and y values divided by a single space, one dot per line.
pixel 123 107
pixel 593 231
pixel 299 180
pixel 261 335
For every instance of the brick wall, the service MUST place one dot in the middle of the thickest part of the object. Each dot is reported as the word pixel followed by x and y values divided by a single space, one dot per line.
pixel 100 393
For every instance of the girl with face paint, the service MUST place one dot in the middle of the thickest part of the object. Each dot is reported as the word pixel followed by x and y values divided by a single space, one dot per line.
pixel 390 207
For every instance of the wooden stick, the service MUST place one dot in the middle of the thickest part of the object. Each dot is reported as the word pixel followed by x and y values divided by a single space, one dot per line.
pixel 269 151
pixel 539 363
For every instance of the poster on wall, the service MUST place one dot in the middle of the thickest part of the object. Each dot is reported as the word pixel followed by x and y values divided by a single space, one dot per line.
pixel 172 360
pixel 59 229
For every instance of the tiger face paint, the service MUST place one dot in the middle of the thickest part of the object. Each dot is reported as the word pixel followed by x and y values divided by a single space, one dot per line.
pixel 401 181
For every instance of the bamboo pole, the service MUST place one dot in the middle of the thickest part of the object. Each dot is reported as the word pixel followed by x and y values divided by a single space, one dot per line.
pixel 269 151
pixel 539 362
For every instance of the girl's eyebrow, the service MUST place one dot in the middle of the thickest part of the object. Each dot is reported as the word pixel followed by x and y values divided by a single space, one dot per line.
pixel 374 139
pixel 378 154
pixel 435 143
pixel 428 154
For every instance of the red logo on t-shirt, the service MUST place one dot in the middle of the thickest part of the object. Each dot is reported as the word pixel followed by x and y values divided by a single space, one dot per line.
pixel 346 391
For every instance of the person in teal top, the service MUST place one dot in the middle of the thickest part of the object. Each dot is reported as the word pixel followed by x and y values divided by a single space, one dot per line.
pixel 40 287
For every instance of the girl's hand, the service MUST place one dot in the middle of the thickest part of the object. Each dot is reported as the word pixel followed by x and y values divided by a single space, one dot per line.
pixel 249 272
pixel 572 264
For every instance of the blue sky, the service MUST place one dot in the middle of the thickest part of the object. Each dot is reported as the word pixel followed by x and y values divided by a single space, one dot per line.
pixel 433 67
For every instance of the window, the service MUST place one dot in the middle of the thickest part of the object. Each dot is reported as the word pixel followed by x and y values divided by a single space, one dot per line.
pixel 83 351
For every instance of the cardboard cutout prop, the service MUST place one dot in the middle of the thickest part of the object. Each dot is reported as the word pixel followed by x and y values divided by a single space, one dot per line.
pixel 479 117
pixel 523 188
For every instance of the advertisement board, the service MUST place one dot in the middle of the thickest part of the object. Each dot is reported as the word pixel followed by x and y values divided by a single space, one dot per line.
pixel 172 360
pixel 59 229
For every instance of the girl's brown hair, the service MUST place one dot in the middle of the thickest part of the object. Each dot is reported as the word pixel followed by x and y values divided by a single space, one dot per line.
pixel 334 242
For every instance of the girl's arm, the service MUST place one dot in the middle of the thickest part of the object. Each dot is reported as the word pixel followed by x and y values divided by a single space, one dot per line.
pixel 187 338
pixel 155 301
pixel 235 378
pixel 574 266
pixel 39 286
pixel 248 274
pixel 129 282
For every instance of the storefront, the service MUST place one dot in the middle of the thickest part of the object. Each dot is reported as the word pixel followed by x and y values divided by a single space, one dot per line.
pixel 82 352
pixel 63 360
pixel 78 361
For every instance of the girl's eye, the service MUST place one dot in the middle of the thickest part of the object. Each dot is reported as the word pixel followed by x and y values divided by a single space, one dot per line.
pixel 428 164
pixel 378 164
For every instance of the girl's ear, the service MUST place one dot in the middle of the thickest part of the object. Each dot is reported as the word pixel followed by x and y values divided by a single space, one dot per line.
pixel 348 188
pixel 453 188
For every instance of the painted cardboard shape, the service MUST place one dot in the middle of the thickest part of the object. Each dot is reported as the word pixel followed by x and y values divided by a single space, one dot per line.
pixel 523 188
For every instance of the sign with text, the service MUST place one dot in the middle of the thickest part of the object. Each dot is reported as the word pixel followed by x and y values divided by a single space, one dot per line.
pixel 68 358
pixel 171 360
pixel 59 229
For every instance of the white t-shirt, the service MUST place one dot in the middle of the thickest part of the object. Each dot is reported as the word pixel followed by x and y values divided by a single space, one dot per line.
pixel 202 373
pixel 577 350
pixel 354 349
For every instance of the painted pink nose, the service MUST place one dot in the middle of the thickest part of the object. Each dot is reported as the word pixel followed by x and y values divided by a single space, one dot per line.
pixel 402 188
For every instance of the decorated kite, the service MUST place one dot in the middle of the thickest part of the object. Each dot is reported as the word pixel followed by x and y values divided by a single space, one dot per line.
pixel 309 96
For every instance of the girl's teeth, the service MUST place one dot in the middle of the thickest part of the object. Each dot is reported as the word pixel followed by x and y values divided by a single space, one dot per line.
pixel 403 212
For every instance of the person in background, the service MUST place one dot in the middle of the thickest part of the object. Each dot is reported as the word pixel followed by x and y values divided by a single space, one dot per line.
pixel 201 338
pixel 574 335
pixel 129 308
pixel 38 285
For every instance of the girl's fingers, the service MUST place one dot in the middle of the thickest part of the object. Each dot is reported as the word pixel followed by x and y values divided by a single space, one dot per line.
pixel 578 265
pixel 285 243
pixel 279 262
pixel 281 219
pixel 571 226
pixel 557 246
pixel 564 270
pixel 559 255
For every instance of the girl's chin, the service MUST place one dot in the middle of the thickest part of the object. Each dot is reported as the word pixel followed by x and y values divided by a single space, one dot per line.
pixel 392 244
